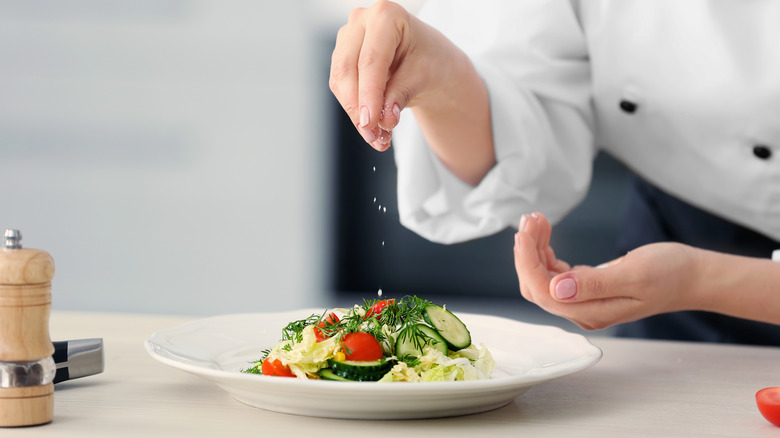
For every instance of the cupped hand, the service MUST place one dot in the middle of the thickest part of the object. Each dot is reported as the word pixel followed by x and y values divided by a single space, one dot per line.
pixel 386 59
pixel 649 280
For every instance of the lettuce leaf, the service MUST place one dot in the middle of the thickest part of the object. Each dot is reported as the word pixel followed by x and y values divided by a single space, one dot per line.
pixel 471 363
pixel 307 357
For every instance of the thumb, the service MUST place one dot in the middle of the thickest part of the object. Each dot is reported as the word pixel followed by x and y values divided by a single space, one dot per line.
pixel 583 284
pixel 398 94
pixel 405 84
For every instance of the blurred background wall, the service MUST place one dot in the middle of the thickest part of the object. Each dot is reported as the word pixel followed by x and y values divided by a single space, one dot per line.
pixel 165 152
pixel 185 156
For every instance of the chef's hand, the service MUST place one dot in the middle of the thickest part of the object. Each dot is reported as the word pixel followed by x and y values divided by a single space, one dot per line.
pixel 647 281
pixel 386 59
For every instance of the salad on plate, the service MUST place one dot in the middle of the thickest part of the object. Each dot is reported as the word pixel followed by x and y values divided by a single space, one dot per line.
pixel 382 340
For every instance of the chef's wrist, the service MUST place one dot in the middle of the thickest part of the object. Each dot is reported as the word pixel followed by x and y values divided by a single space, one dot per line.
pixel 738 286
pixel 694 292
pixel 455 119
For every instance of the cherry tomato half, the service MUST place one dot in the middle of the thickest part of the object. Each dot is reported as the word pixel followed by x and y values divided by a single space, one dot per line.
pixel 377 308
pixel 329 320
pixel 276 368
pixel 768 400
pixel 362 346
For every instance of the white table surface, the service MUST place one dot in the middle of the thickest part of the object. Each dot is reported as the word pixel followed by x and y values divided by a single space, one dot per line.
pixel 639 388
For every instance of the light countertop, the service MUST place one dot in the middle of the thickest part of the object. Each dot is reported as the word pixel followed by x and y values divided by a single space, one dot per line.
pixel 639 388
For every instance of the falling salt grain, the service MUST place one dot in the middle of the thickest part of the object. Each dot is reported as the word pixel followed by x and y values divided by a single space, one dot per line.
pixel 379 293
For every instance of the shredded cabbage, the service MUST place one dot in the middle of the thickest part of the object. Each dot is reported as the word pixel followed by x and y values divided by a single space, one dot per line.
pixel 401 373
pixel 471 363
pixel 307 357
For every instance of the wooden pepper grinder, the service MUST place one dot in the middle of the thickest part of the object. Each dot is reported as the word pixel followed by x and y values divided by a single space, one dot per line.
pixel 26 365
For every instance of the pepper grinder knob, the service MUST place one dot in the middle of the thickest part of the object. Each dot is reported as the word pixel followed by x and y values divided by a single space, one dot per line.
pixel 26 366
pixel 13 239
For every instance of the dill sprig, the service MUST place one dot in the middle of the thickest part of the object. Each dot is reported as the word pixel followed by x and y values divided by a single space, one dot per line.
pixel 403 313
pixel 294 330
pixel 255 369
pixel 417 337
pixel 257 365
pixel 353 322
pixel 397 314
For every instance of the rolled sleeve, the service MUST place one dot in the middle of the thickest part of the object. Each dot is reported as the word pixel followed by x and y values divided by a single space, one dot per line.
pixel 540 116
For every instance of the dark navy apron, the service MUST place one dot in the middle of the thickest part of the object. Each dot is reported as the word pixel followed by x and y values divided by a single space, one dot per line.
pixel 654 216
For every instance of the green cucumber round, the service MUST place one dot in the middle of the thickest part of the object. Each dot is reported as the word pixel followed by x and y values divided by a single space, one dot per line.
pixel 328 374
pixel 449 326
pixel 361 371
pixel 413 339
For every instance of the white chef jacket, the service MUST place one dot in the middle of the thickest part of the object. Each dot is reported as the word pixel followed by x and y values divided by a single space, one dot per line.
pixel 686 93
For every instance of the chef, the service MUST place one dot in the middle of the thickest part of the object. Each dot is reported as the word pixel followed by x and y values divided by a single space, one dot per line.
pixel 507 103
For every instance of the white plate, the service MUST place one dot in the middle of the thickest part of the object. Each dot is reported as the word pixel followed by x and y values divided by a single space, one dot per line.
pixel 218 348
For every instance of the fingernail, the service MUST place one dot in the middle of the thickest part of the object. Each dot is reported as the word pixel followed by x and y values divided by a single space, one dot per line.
pixel 566 288
pixel 388 125
pixel 365 117
pixel 523 222
pixel 385 136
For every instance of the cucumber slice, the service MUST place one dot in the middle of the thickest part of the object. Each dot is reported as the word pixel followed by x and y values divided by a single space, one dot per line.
pixel 362 371
pixel 448 325
pixel 413 339
pixel 328 374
